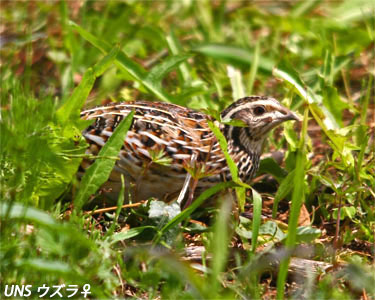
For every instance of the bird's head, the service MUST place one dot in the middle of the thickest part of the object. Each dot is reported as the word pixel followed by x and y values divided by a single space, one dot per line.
pixel 258 114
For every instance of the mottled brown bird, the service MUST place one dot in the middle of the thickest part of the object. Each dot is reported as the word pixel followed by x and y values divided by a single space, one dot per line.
pixel 184 140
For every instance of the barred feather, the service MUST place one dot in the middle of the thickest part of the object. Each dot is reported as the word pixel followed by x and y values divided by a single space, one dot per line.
pixel 179 133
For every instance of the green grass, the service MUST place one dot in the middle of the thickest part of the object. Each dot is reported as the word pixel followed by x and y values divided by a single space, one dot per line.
pixel 314 56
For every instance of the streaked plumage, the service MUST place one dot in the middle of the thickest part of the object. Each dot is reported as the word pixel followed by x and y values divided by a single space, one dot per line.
pixel 184 138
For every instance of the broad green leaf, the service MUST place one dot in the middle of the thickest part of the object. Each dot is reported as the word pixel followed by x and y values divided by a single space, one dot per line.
pixel 176 49
pixel 235 56
pixel 346 211
pixel 124 63
pixel 51 266
pixel 129 234
pixel 334 104
pixel 98 173
pixel 75 102
pixel 73 105
pixel 271 228
pixel 243 229
pixel 284 189
pixel 336 139
pixel 285 71
pixel 158 72
pixel 70 146
pixel 19 211
pixel 106 62
pixel 323 118
pixel 101 45
pixel 257 213
pixel 307 234
pixel 291 136
pixel 355 10
pixel 269 166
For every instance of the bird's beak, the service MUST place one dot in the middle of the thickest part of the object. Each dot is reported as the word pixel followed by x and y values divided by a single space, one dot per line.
pixel 292 116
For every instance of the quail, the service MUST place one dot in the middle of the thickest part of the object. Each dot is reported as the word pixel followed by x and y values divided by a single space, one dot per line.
pixel 184 140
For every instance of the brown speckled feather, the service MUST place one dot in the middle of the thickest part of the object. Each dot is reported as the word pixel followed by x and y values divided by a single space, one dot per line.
pixel 184 138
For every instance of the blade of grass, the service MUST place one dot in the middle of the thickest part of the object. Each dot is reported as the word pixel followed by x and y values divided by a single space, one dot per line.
pixel 232 166
pixel 130 66
pixel 172 263
pixel 254 67
pixel 19 211
pixel 46 266
pixel 365 102
pixel 120 202
pixel 287 73
pixel 124 63
pixel 240 190
pixel 220 242
pixel 361 132
pixel 129 233
pixel 304 7
pixel 159 71
pixel 100 170
pixel 257 212
pixel 235 56
pixel 297 201
pixel 236 83
pixel 184 74
pixel 191 208
pixel 71 108
pixel 224 147
pixel 283 190
pixel 176 49
pixel 270 166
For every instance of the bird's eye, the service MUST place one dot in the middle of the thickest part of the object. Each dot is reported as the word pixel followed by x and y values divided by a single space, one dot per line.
pixel 259 110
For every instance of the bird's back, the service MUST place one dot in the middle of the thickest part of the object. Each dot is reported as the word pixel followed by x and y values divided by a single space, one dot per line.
pixel 164 142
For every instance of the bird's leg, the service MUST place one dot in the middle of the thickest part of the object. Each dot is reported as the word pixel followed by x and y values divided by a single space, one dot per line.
pixel 187 182
pixel 139 178
pixel 191 192
pixel 182 194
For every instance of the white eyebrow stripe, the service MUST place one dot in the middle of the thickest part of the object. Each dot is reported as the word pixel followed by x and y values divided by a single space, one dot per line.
pixel 252 104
